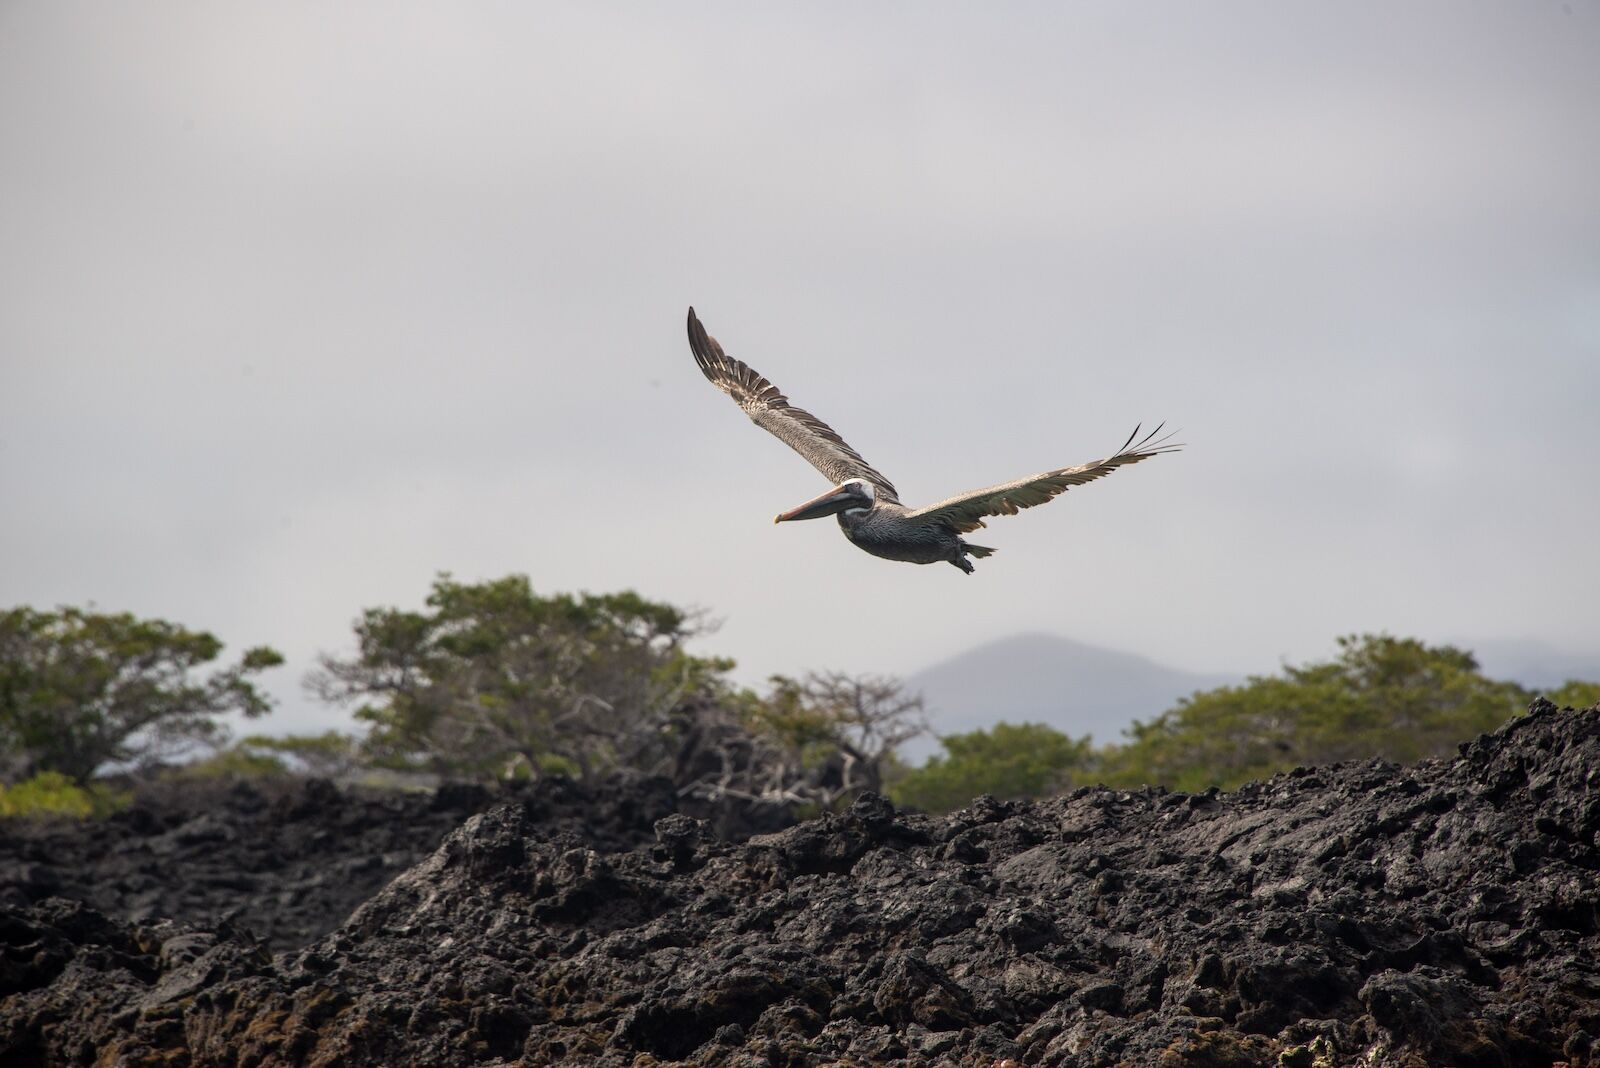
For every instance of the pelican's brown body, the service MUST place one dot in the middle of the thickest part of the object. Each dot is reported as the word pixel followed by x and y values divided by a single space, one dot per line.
pixel 888 528
pixel 888 531
pixel 867 504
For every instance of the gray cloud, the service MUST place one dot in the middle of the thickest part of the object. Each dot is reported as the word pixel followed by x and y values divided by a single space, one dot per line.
pixel 302 305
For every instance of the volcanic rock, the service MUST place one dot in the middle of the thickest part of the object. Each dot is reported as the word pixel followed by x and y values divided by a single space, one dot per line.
pixel 1442 913
pixel 291 861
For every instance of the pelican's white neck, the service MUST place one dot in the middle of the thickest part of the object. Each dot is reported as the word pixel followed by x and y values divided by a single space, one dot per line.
pixel 864 487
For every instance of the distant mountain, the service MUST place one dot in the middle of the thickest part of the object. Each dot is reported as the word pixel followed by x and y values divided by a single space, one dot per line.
pixel 1042 678
pixel 1532 663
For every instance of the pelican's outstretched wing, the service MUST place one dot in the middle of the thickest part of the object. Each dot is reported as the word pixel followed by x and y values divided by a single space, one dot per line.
pixel 770 409
pixel 965 513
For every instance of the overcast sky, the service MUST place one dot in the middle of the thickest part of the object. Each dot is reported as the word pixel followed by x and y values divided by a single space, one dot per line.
pixel 301 304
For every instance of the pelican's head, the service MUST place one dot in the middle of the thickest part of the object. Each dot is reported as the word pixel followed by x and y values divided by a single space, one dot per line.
pixel 854 496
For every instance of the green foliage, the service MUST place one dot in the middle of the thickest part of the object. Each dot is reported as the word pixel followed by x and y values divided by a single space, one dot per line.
pixel 1009 761
pixel 1395 698
pixel 328 755
pixel 1381 696
pixel 1576 694
pixel 263 756
pixel 234 762
pixel 79 690
pixel 826 713
pixel 835 732
pixel 792 719
pixel 493 678
pixel 50 794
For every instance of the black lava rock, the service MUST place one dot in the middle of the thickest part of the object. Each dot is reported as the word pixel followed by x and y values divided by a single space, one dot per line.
pixel 1443 913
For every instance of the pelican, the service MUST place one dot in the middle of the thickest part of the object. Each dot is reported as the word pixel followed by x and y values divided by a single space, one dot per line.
pixel 867 504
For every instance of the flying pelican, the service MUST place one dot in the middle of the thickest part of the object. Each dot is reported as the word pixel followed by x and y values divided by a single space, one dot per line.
pixel 867 504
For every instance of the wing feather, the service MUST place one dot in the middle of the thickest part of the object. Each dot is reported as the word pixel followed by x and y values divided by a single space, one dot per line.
pixel 965 512
pixel 770 409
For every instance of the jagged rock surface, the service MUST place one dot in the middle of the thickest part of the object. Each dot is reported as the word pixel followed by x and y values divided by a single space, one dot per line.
pixel 291 861
pixel 1444 913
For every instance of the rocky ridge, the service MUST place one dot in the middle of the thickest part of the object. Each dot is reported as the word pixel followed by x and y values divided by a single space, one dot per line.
pixel 1442 913
pixel 290 860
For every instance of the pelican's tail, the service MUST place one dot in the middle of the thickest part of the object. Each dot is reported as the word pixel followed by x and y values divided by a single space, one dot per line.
pixel 980 551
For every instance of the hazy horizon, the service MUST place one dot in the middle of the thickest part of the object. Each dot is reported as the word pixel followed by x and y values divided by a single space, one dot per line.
pixel 300 306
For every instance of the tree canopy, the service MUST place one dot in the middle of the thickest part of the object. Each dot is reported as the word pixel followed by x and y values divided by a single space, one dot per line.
pixel 1381 696
pixel 492 676
pixel 1575 693
pixel 492 679
pixel 80 690
pixel 824 738
pixel 1007 761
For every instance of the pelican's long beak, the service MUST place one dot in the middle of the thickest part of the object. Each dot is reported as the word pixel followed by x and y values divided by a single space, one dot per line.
pixel 835 500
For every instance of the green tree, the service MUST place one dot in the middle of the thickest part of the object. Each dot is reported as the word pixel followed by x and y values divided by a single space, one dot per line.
pixel 1008 760
pixel 1395 698
pixel 328 755
pixel 52 795
pixel 80 690
pixel 494 679
pixel 828 737
pixel 1575 694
